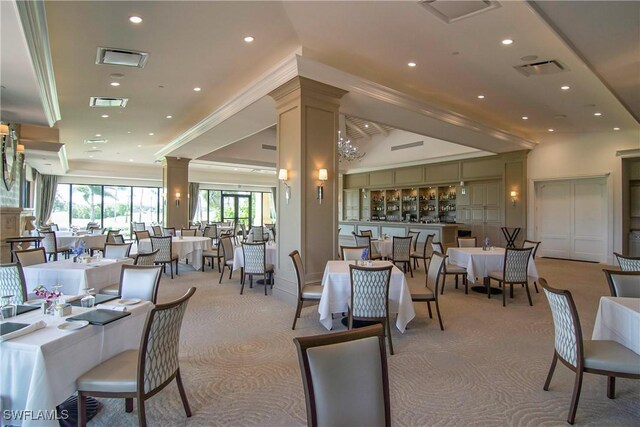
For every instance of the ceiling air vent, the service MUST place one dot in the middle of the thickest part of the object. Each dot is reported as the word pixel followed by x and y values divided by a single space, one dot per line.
pixel 101 101
pixel 405 146
pixel 452 11
pixel 268 147
pixel 541 68
pixel 127 58
pixel 95 141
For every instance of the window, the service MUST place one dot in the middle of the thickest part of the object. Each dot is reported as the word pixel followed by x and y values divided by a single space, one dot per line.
pixel 145 206
pixel 61 211
pixel 214 206
pixel 86 204
pixel 117 208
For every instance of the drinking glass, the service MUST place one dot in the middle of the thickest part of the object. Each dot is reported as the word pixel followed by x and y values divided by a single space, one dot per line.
pixel 7 310
pixel 88 300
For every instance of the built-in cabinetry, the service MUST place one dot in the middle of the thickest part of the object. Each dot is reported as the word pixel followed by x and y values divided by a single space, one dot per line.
pixel 480 210
pixel 427 204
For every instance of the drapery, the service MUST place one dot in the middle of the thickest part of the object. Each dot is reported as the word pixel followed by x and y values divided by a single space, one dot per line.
pixel 274 203
pixel 46 194
pixel 194 199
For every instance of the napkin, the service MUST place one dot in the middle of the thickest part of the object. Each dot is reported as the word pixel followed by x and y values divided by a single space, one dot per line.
pixel 24 331
pixel 70 298
pixel 114 307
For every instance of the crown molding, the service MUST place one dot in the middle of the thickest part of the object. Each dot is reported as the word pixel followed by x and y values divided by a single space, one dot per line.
pixel 64 161
pixel 33 19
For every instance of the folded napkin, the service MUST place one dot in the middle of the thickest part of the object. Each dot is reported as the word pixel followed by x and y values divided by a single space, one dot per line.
pixel 113 307
pixel 24 331
pixel 70 298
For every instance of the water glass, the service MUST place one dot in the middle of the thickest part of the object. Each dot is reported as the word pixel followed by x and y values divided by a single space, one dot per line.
pixel 88 300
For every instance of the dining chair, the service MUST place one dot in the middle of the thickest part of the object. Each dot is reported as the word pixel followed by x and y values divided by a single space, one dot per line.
pixel 140 374
pixel 31 256
pixel 54 227
pixel 415 235
pixel 352 253
pixel 118 239
pixel 451 270
pixel 423 252
pixel 255 265
pixel 169 231
pixel 211 231
pixel 97 230
pixel 50 245
pixel 157 230
pixel 366 233
pixel 242 233
pixel 514 271
pixel 191 232
pixel 140 281
pixel 467 242
pixel 144 234
pixel 165 252
pixel 91 225
pixel 623 283
pixel 366 241
pixel 345 378
pixel 227 255
pixel 532 244
pixel 257 234
pixel 110 239
pixel 12 282
pixel 401 252
pixel 272 229
pixel 116 250
pixel 370 296
pixel 628 263
pixel 306 291
pixel 212 254
pixel 139 226
pixel 148 258
pixel 600 357
pixel 429 293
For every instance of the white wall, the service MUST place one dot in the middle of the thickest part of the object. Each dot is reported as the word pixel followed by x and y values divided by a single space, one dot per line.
pixel 570 156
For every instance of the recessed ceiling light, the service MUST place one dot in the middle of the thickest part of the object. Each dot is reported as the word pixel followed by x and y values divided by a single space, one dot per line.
pixel 525 118
pixel 98 134
pixel 412 64
pixel 129 131
pixel 114 84
pixel 169 117
pixel 507 42
pixel 249 39
pixel 550 130
pixel 135 19
pixel 616 128
pixel 597 114
pixel 139 145
pixel 105 116
pixel 480 96
pixel 131 160
pixel 366 125
pixel 235 169
pixel 197 89
pixel 91 157
pixel 565 87
pixel 151 134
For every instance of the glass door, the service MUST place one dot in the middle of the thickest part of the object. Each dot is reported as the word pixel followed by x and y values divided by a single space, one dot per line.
pixel 237 208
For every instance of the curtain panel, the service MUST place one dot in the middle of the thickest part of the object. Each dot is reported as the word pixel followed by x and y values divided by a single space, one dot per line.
pixel 46 186
pixel 194 199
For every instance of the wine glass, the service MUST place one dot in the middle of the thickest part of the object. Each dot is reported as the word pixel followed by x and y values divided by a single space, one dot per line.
pixel 88 300
pixel 7 309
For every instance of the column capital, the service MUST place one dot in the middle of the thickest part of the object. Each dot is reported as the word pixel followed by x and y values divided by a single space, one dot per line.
pixel 308 87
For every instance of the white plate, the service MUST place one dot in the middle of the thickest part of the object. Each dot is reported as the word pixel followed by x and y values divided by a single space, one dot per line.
pixel 72 326
pixel 131 301
pixel 36 302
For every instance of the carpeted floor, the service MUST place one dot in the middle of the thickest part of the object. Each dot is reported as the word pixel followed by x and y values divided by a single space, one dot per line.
pixel 487 368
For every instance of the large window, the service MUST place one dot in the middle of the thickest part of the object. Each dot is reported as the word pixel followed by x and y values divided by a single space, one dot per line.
pixel 255 208
pixel 61 206
pixel 117 208
pixel 145 207
pixel 86 204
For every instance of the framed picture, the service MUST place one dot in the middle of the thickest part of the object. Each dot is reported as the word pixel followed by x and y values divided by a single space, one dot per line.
pixel 9 144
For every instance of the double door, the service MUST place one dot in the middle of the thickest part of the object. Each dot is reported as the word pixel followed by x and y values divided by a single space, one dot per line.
pixel 480 210
pixel 236 208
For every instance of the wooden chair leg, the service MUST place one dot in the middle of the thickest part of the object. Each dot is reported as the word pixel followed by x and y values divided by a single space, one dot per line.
pixel 142 416
pixel 429 307
pixel 575 398
pixel 242 284
pixel 410 269
pixel 551 369
pixel 128 404
pixel 611 387
pixel 298 310
pixel 535 285
pixel 526 287
pixel 504 295
pixel 183 395
pixel 389 332
pixel 176 267
pixel 439 317
pixel 171 268
pixel 221 274
pixel 82 410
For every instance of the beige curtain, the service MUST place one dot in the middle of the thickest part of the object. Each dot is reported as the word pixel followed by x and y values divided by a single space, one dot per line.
pixel 194 199
pixel 46 186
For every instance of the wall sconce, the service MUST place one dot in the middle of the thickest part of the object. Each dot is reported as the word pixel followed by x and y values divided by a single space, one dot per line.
pixel 283 175
pixel 463 189
pixel 20 149
pixel 322 177
pixel 4 129
pixel 514 197
pixel 177 200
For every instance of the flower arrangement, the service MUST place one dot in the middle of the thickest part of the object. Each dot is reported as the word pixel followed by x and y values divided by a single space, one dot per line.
pixel 79 249
pixel 48 295
pixel 487 242
pixel 365 254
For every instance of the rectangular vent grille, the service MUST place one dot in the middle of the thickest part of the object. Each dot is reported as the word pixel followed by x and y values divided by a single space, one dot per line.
pixel 541 68
pixel 101 101
pixel 123 57
pixel 452 11
pixel 268 147
pixel 405 146
pixel 95 141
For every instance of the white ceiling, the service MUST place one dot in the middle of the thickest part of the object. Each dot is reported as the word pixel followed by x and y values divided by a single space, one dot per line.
pixel 201 44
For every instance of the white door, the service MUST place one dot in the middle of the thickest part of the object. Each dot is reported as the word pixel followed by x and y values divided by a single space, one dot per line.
pixel 572 219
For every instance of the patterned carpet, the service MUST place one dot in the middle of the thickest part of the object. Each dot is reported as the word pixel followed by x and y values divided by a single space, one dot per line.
pixel 487 368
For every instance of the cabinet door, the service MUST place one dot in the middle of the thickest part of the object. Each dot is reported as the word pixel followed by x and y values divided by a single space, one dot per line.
pixel 491 214
pixel 463 214
pixel 476 195
pixel 477 214
pixel 463 199
pixel 492 194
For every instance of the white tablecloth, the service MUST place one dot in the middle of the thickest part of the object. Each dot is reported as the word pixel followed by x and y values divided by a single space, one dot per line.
pixel 74 276
pixel 383 246
pixel 480 263
pixel 618 319
pixel 38 371
pixel 189 248
pixel 198 233
pixel 336 293
pixel 269 255
pixel 90 240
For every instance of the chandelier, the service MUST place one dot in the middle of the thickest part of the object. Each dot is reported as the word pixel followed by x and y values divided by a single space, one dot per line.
pixel 347 151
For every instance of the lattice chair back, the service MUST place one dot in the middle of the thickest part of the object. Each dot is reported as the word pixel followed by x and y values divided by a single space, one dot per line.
pixel 161 342
pixel 369 291
pixel 157 230
pixel 142 235
pixel 258 234
pixel 628 263
pixel 568 335
pixel 146 259
pixel 467 242
pixel 54 227
pixel 110 234
pixel 516 264
pixel 227 247
pixel 139 226
pixel 12 283
pixel 363 241
pixel 163 245
pixel 49 242
pixel 402 248
pixel 436 264
pixel 531 244
pixel 97 230
pixel 118 239
pixel 436 247
pixel 254 257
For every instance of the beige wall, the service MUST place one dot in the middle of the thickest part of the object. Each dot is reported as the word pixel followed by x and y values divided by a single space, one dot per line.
pixel 176 180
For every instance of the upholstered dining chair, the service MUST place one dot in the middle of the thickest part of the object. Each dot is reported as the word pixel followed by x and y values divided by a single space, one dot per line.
pixel 450 270
pixel 12 283
pixel 345 377
pixel 628 263
pixel 136 281
pixel 467 242
pixel 370 296
pixel 366 241
pixel 535 245
pixel 227 255
pixel 116 250
pixel 54 227
pixel 140 374
pixel 623 283
pixel 306 291
pixel 148 258
pixel 110 239
pixel 165 252
pixel 144 234
pixel 514 271
pixel 157 230
pixel 97 230
pixel 401 252
pixel 213 254
pixel 368 233
pixel 415 235
pixel 31 256
pixel 257 233
pixel 423 252
pixel 118 239
pixel 191 232
pixel 601 357
pixel 211 231
pixel 169 231
pixel 255 265
pixel 50 245
pixel 138 226
pixel 429 293
pixel 352 253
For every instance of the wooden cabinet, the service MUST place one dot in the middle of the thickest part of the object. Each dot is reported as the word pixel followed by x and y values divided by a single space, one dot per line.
pixel 481 211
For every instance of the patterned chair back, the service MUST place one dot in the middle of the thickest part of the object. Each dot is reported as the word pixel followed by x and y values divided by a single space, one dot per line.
pixel 146 259
pixel 436 264
pixel 157 230
pixel 144 234
pixel 160 343
pixel 191 232
pixel 49 242
pixel 566 324
pixel 254 257
pixel 118 239
pixel 258 233
pixel 12 283
pixel 363 241
pixel 31 256
pixel 116 250
pixel 401 248
pixel 169 231
pixel 628 263
pixel 370 291
pixel 139 226
pixel 227 247
pixel 299 267
pixel 163 245
pixel 623 283
pixel 110 235
pixel 531 244
pixel 516 264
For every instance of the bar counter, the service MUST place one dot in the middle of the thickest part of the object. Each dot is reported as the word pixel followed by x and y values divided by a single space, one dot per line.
pixel 444 233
